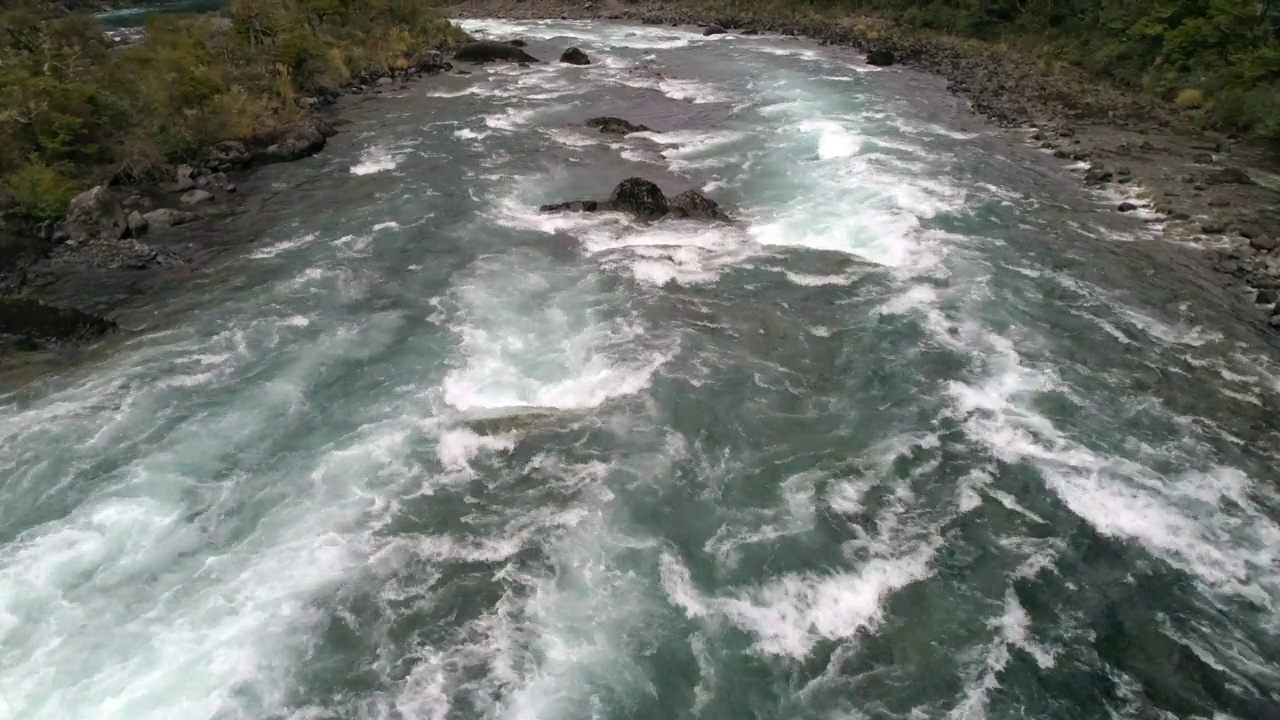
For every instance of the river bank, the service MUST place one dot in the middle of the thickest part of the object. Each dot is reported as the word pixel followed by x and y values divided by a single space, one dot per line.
pixel 1210 190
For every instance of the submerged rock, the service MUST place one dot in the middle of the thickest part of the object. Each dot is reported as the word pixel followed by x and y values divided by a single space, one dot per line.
pixel 645 200
pixel 574 56
pixel 615 126
pixel 483 51
pixel 27 324
pixel 298 141
pixel 1229 176
pixel 168 217
pixel 880 58
pixel 713 30
pixel 195 197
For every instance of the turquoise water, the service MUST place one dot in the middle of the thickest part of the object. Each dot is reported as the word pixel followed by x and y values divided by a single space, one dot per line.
pixel 927 433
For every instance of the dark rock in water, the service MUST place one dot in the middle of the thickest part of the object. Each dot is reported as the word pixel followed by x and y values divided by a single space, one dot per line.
pixel 695 205
pixel 574 56
pixel 1265 297
pixel 517 42
pixel 1213 227
pixel 138 224
pixel 880 58
pixel 1097 174
pixel 751 31
pixel 713 30
pixel 1229 176
pixel 95 214
pixel 483 51
pixel 28 324
pixel 1263 243
pixel 1203 158
pixel 1127 207
pixel 639 197
pixel 615 126
pixel 574 206
pixel 166 217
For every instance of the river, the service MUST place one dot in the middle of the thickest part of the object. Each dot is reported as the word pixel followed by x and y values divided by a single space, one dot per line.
pixel 928 432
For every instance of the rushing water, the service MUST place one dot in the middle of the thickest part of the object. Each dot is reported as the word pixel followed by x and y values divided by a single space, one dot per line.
pixel 927 433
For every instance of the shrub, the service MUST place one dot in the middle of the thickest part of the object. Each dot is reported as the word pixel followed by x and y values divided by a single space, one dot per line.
pixel 39 191
pixel 1190 98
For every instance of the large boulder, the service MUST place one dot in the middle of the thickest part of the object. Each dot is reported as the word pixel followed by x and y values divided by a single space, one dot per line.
pixel 574 56
pixel 483 51
pixel 694 205
pixel 168 217
pixel 615 126
pixel 96 214
pixel 297 141
pixel 1229 176
pixel 639 197
pixel 713 30
pixel 880 58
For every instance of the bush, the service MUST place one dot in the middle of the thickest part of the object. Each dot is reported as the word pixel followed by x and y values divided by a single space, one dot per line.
pixel 1190 98
pixel 39 191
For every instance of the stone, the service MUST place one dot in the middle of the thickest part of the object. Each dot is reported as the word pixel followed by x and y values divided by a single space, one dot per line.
pixel 384 81
pixel 1263 243
pixel 751 31
pixel 297 141
pixel 574 56
pixel 615 126
pixel 517 42
pixel 1219 202
pixel 1229 176
pixel 184 179
pixel 1203 158
pixel 1127 207
pixel 639 197
pixel 1066 132
pixel 228 154
pixel 483 51
pixel 1146 146
pixel 168 217
pixel 28 324
pixel 1275 321
pixel 1213 227
pixel 574 206
pixel 138 224
pixel 195 197
pixel 1097 174
pixel 694 205
pixel 95 214
pixel 713 30
pixel 881 58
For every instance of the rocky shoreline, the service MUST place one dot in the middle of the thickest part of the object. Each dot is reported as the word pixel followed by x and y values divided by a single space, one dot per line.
pixel 1212 191
pixel 61 282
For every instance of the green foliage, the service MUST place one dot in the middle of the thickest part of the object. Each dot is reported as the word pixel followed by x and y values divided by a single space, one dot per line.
pixel 39 191
pixel 75 111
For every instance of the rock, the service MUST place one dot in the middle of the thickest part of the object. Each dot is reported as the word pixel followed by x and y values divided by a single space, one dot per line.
pixel 751 31
pixel 1229 176
pixel 138 224
pixel 384 81
pixel 713 30
pixel 1228 266
pixel 1066 132
pixel 1213 227
pixel 1127 207
pixel 574 56
pixel 880 58
pixel 1263 243
pixel 195 197
pixel 1266 296
pixel 168 217
pixel 615 126
pixel 1097 174
pixel 639 197
pixel 574 206
pixel 95 214
pixel 517 42
pixel 1219 202
pixel 483 51
pixel 228 154
pixel 29 324
pixel 298 141
pixel 1146 146
pixel 1247 232
pixel 1203 158
pixel 184 178
pixel 1124 171
pixel 695 205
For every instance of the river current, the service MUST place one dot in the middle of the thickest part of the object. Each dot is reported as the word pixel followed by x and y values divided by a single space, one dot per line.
pixel 927 432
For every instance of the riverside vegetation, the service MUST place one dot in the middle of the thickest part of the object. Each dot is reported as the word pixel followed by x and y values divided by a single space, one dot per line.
pixel 78 111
